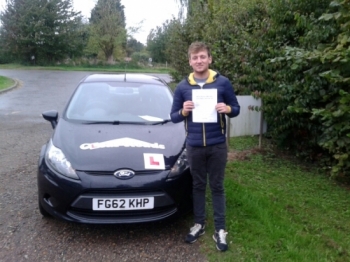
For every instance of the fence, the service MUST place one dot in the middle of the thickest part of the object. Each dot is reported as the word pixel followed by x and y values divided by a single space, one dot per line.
pixel 248 121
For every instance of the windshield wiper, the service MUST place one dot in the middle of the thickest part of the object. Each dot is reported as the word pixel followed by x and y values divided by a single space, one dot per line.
pixel 117 122
pixel 101 122
pixel 162 122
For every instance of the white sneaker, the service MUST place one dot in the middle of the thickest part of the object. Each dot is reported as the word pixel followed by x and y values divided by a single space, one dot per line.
pixel 195 232
pixel 220 239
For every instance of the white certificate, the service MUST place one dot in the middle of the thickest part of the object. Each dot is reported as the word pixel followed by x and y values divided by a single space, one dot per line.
pixel 204 101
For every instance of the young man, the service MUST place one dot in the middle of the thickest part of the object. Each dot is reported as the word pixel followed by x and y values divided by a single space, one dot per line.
pixel 206 136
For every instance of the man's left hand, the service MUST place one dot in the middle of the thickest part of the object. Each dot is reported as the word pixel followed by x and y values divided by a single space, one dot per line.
pixel 222 108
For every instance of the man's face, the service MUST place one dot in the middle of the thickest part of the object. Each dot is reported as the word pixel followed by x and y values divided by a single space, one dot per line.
pixel 200 61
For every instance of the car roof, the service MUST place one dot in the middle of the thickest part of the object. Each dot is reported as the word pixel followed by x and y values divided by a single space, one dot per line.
pixel 136 78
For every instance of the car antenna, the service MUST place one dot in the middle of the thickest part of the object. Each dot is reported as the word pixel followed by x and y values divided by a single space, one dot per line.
pixel 125 71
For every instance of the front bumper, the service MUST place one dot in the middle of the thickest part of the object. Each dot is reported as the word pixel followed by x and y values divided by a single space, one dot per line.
pixel 71 200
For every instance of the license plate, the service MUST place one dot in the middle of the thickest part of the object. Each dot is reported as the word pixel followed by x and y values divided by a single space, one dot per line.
pixel 122 203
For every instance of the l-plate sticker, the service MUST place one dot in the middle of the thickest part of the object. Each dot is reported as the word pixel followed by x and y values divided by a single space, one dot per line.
pixel 154 161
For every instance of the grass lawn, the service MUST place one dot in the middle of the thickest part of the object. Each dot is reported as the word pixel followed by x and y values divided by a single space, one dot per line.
pixel 279 210
pixel 5 82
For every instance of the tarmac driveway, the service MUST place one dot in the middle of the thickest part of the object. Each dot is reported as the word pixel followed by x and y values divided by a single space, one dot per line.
pixel 24 234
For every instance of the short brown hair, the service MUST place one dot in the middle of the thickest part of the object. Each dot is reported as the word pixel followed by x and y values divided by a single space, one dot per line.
pixel 196 47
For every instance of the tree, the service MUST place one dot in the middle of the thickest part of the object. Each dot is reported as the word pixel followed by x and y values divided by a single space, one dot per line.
pixel 107 29
pixel 191 5
pixel 133 46
pixel 45 30
pixel 156 43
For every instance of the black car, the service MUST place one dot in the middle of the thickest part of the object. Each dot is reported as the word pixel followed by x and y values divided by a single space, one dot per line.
pixel 115 156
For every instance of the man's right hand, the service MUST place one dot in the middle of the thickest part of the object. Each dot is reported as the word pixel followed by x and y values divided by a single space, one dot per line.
pixel 187 107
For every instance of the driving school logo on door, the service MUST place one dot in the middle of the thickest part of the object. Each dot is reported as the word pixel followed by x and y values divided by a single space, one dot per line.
pixel 154 161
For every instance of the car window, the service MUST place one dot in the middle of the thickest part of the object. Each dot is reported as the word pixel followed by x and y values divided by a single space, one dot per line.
pixel 120 101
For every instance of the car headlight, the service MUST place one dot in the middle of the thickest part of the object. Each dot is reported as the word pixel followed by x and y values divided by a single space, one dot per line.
pixel 180 165
pixel 57 161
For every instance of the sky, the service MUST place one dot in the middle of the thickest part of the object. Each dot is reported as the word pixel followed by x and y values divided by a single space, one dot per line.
pixel 153 13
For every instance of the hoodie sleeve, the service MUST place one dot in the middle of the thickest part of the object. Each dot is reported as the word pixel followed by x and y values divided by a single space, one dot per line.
pixel 231 100
pixel 176 109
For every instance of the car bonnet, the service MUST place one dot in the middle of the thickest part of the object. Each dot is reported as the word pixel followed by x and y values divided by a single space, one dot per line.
pixel 107 147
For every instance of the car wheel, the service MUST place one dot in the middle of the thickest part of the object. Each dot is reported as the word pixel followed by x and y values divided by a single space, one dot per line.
pixel 43 212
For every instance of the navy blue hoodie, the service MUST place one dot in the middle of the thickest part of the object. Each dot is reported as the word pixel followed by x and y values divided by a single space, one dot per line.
pixel 204 134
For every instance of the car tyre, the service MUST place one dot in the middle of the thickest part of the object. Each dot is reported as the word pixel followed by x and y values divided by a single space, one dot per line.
pixel 43 212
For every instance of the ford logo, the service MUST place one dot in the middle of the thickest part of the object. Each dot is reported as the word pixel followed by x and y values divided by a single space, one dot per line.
pixel 124 174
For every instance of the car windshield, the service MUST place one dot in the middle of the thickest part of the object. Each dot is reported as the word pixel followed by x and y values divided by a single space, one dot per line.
pixel 120 101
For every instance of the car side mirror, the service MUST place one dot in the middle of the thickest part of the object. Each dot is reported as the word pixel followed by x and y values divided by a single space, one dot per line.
pixel 52 117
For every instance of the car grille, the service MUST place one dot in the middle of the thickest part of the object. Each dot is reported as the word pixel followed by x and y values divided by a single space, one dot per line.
pixel 130 216
pixel 111 173
pixel 113 191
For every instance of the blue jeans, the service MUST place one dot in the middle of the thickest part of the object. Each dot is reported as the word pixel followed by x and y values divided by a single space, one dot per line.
pixel 208 162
